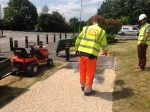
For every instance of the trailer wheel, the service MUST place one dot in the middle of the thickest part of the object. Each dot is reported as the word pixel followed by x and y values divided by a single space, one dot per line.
pixel 32 69
pixel 49 62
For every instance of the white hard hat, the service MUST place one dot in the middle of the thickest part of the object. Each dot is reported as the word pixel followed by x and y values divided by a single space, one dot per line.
pixel 142 16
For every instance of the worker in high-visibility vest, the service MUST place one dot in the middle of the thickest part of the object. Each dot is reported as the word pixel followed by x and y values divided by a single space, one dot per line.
pixel 143 42
pixel 87 46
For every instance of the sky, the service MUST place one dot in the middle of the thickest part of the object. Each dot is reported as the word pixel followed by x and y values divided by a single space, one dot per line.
pixel 68 8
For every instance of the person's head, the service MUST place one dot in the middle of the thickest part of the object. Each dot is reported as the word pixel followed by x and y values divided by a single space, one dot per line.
pixel 142 18
pixel 96 21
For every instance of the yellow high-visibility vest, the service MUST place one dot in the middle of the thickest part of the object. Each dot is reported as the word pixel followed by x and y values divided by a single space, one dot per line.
pixel 91 39
pixel 142 33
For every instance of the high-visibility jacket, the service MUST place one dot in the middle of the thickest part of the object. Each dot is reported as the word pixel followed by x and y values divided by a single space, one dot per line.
pixel 142 33
pixel 91 39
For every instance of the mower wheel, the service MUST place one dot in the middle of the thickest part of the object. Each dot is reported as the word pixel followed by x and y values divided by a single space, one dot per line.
pixel 32 69
pixel 49 62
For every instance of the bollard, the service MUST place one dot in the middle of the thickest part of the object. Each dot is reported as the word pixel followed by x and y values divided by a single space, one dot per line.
pixel 41 44
pixel 65 35
pixel 54 38
pixel 26 41
pixel 11 43
pixel 38 39
pixel 15 43
pixel 2 32
pixel 73 33
pixel 47 38
pixel 60 36
pixel 67 51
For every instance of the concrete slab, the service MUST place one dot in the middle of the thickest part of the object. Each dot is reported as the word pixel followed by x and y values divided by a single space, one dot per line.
pixel 106 62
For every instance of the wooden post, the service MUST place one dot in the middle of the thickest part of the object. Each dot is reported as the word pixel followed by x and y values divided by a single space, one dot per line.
pixel 26 41
pixel 67 51
pixel 11 43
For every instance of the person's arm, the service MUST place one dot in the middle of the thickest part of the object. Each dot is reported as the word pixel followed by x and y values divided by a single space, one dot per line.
pixel 79 38
pixel 147 34
pixel 104 43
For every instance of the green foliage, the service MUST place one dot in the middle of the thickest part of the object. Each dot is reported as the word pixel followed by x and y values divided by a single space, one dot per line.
pixel 75 24
pixel 20 14
pixel 52 22
pixel 111 38
pixel 117 9
pixel 74 39
pixel 112 26
pixel 124 20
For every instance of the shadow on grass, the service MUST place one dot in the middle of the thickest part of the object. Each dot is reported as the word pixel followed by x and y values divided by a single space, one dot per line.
pixel 116 95
pixel 125 92
pixel 7 94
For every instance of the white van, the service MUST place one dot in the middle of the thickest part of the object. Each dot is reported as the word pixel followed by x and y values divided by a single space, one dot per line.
pixel 129 30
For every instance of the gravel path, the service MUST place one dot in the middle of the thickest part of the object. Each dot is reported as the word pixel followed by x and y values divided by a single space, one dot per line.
pixel 61 93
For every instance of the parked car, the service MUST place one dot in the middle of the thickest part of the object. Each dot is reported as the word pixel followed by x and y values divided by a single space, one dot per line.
pixel 129 30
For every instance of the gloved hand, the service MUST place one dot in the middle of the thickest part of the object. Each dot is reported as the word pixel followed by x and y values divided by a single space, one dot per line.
pixel 105 53
pixel 77 53
pixel 143 44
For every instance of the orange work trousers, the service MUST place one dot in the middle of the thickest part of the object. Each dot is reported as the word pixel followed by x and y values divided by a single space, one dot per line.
pixel 87 69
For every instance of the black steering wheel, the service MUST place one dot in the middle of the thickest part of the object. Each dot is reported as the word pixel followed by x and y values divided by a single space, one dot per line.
pixel 31 44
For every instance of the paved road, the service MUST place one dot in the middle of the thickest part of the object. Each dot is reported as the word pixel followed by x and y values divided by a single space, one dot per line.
pixel 126 37
pixel 32 37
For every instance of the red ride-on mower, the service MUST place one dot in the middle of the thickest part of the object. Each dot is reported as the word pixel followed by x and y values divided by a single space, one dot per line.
pixel 29 62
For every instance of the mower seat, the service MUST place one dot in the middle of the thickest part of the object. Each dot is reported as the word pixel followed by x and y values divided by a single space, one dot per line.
pixel 21 52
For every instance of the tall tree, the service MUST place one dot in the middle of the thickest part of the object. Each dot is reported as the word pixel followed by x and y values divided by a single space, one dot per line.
pixel 20 14
pixel 45 10
pixel 52 22
pixel 124 8
pixel 74 24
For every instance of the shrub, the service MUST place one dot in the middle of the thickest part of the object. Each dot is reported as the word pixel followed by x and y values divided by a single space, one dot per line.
pixel 74 40
pixel 112 26
pixel 111 38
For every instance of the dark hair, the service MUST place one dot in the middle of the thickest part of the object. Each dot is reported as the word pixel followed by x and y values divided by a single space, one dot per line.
pixel 96 20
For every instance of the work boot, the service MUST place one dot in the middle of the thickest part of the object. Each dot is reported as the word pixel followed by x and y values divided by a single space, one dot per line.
pixel 89 93
pixel 82 88
pixel 139 69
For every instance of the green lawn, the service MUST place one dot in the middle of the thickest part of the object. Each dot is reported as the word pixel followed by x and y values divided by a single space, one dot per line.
pixel 131 88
